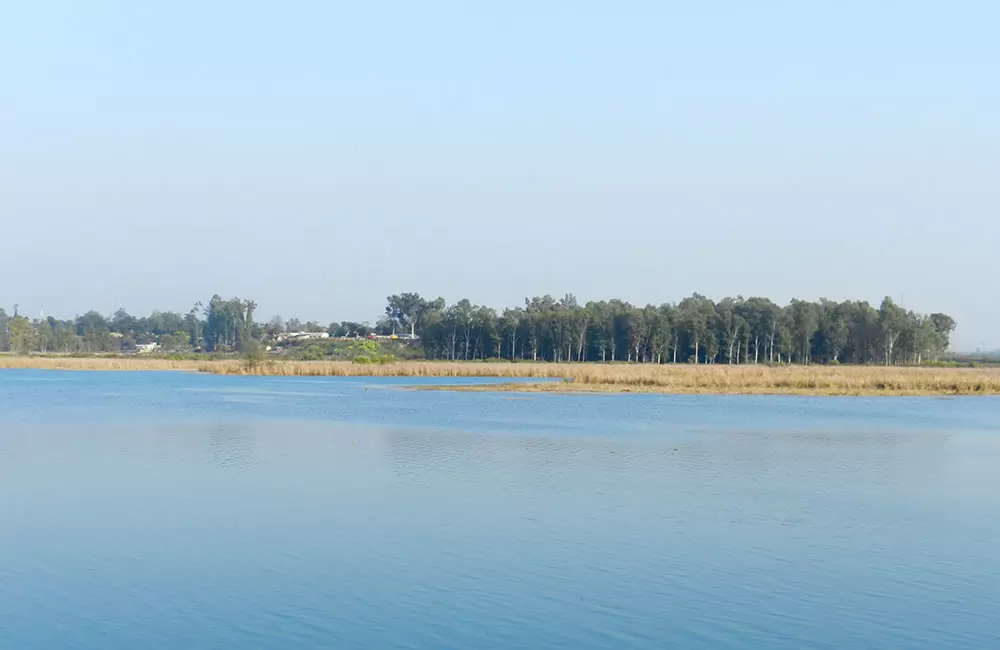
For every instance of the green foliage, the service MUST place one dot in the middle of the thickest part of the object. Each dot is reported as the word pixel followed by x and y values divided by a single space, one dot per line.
pixel 228 324
pixel 949 364
pixel 695 330
pixel 21 336
pixel 368 351
pixel 313 352
pixel 178 341
pixel 254 355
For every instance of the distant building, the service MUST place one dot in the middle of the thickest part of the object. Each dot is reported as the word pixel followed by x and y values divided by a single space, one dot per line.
pixel 301 336
pixel 147 348
pixel 392 337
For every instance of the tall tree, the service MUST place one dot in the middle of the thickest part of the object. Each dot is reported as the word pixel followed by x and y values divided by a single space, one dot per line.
pixel 404 310
pixel 804 323
pixel 892 323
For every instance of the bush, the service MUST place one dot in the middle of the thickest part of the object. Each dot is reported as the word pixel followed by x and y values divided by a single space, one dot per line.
pixel 254 355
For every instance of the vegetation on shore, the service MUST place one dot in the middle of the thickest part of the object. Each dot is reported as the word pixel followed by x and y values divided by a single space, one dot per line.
pixel 137 363
pixel 696 330
pixel 766 380
pixel 647 378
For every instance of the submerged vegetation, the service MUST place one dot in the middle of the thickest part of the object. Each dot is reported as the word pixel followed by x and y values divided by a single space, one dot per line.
pixel 575 377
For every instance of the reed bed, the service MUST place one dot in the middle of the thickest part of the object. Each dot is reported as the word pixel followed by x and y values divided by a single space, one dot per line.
pixel 98 363
pixel 399 369
pixel 762 380
pixel 718 379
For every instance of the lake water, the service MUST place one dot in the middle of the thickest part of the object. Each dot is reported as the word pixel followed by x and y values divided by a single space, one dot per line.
pixel 169 510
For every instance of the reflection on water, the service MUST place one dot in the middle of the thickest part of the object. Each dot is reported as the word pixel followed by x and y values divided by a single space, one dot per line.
pixel 342 517
pixel 232 445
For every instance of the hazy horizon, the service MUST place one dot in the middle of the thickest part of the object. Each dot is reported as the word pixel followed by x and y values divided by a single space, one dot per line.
pixel 317 157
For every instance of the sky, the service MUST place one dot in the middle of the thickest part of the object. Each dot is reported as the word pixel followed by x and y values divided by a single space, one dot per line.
pixel 319 156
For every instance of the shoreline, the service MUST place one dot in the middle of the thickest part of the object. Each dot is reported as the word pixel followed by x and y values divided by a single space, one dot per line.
pixel 567 388
pixel 583 378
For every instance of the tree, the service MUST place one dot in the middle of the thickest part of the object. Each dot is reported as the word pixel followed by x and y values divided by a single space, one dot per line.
pixel 45 336
pixel 659 331
pixel 274 327
pixel 406 309
pixel 21 335
pixel 4 330
pixel 862 332
pixel 194 325
pixel 122 323
pixel 730 317
pixel 601 329
pixel 179 341
pixel 892 322
pixel 254 356
pixel 247 332
pixel 943 326
pixel 228 324
pixel 696 330
pixel 510 322
pixel 695 317
pixel 805 323
pixel 93 329
pixel 761 317
pixel 833 330
pixel 629 328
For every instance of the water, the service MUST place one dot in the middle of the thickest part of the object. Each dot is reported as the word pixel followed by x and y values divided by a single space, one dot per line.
pixel 169 510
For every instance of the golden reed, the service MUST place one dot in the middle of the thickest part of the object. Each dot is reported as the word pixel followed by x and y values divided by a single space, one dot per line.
pixel 720 379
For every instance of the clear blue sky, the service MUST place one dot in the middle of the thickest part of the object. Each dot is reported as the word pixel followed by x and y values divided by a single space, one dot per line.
pixel 317 156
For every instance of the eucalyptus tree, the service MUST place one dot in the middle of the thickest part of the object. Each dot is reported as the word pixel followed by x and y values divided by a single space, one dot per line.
pixel 695 330
pixel 892 323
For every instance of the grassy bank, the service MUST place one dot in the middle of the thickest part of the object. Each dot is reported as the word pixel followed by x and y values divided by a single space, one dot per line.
pixel 98 363
pixel 763 380
pixel 719 379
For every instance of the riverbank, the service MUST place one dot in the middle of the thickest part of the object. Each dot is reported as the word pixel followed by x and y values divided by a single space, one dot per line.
pixel 760 380
pixel 589 378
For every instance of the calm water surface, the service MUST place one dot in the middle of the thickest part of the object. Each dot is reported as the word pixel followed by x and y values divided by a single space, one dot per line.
pixel 169 510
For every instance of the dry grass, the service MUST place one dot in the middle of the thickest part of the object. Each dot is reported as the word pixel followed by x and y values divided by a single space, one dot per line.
pixel 97 363
pixel 720 379
pixel 401 369
pixel 811 380
pixel 796 381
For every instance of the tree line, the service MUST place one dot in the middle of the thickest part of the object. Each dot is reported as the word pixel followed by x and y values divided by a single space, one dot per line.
pixel 694 330
pixel 220 326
